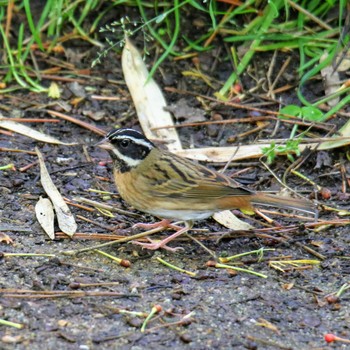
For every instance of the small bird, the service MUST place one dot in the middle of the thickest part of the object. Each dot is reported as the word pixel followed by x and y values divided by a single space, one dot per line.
pixel 170 187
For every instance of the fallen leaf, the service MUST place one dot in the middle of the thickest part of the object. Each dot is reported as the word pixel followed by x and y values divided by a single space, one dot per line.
pixel 12 339
pixel 228 219
pixel 45 215
pixel 29 132
pixel 66 221
pixel 62 323
pixel 54 90
pixel 345 63
pixel 95 115
pixel 148 98
pixel 288 286
pixel 344 133
pixel 323 159
pixel 5 238
pixel 225 154
pixel 181 110
pixel 318 244
pixel 77 89
pixel 331 81
pixel 265 323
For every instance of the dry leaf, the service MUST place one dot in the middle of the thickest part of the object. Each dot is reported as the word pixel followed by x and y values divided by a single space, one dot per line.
pixel 318 244
pixel 29 132
pixel 54 90
pixel 62 323
pixel 331 81
pixel 343 132
pixel 344 65
pixel 288 286
pixel 5 238
pixel 66 221
pixel 12 339
pixel 265 323
pixel 148 98
pixel 181 110
pixel 45 215
pixel 225 154
pixel 228 219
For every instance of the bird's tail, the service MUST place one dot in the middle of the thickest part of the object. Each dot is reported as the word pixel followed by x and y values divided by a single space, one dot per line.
pixel 284 202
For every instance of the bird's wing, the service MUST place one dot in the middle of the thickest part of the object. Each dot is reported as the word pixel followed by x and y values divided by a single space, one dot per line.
pixel 180 178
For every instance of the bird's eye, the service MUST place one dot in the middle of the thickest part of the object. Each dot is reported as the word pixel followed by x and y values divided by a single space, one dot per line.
pixel 125 143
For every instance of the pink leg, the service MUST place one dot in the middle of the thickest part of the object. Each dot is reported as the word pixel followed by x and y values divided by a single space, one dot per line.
pixel 163 244
pixel 164 223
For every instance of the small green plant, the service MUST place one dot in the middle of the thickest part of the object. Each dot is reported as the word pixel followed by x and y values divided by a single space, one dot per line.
pixel 121 29
pixel 309 113
pixel 146 25
pixel 290 149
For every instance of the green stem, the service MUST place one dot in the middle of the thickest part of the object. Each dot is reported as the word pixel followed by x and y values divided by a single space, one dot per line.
pixel 190 273
pixel 30 254
pixel 259 252
pixel 11 324
pixel 224 266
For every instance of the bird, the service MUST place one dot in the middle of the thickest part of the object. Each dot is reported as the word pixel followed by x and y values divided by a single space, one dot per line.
pixel 173 188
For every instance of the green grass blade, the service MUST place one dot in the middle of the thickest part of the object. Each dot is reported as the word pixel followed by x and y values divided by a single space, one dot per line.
pixel 33 29
pixel 270 12
pixel 173 40
pixel 326 62
pixel 12 68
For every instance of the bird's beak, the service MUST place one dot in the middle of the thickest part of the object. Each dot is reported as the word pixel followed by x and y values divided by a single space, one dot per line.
pixel 104 144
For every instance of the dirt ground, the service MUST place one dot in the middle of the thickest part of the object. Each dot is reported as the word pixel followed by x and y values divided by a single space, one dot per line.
pixel 216 309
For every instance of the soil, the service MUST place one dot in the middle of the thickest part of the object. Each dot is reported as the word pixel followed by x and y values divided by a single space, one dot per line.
pixel 216 309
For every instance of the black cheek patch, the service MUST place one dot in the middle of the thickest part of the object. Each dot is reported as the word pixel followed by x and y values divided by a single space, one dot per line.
pixel 134 151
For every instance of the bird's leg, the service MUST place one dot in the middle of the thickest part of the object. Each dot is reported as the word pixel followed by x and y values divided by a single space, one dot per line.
pixel 163 243
pixel 163 223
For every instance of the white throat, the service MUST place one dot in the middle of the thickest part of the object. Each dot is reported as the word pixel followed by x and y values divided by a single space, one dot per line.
pixel 129 161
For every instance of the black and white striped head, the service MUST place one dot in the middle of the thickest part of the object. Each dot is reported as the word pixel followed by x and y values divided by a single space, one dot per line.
pixel 127 147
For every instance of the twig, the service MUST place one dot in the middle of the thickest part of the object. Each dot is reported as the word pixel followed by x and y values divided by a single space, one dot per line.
pixel 121 240
pixel 32 294
pixel 310 15
pixel 4 149
pixel 201 245
pixel 106 207
pixel 236 268
pixel 81 123
pixel 32 120
pixel 274 115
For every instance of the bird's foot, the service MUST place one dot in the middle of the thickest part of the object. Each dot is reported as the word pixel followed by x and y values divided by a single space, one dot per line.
pixel 160 224
pixel 154 245
pixel 163 244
